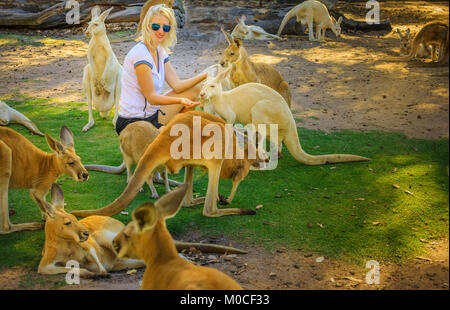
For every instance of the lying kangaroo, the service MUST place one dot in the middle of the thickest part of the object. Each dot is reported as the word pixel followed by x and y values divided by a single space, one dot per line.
pixel 434 34
pixel 102 76
pixel 144 11
pixel 255 103
pixel 160 153
pixel 405 45
pixel 310 12
pixel 134 140
pixel 89 242
pixel 8 114
pixel 147 238
pixel 245 71
pixel 244 32
pixel 23 165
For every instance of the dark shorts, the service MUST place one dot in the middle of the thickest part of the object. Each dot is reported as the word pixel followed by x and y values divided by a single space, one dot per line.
pixel 123 122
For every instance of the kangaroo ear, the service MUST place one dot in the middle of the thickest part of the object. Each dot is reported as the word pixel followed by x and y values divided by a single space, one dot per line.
pixel 243 17
pixel 408 31
pixel 57 197
pixel 66 136
pixel 145 216
pixel 169 204
pixel 53 144
pixel 227 36
pixel 339 20
pixel 222 74
pixel 238 42
pixel 105 14
pixel 95 11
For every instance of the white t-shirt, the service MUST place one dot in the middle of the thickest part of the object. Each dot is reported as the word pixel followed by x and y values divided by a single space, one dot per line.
pixel 133 103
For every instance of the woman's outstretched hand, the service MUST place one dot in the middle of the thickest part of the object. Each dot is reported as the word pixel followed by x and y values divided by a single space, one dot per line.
pixel 189 103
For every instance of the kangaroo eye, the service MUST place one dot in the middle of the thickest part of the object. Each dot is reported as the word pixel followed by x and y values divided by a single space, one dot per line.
pixel 232 54
pixel 212 86
pixel 67 223
pixel 72 163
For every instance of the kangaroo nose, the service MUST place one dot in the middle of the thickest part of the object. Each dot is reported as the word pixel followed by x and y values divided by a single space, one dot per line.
pixel 84 235
pixel 222 63
pixel 84 176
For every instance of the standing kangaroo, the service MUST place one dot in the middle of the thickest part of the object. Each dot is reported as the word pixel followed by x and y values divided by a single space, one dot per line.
pixel 310 12
pixel 8 114
pixel 102 76
pixel 160 153
pixel 147 238
pixel 255 103
pixel 245 71
pixel 24 166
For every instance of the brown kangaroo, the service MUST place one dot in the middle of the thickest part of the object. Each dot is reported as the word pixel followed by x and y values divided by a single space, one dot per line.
pixel 159 153
pixel 147 238
pixel 24 166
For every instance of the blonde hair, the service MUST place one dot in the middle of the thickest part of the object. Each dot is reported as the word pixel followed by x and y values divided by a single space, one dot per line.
pixel 171 37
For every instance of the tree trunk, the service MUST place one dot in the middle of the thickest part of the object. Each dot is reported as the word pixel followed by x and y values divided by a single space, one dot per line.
pixel 44 14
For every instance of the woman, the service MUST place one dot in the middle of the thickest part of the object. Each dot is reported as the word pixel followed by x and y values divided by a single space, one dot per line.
pixel 145 69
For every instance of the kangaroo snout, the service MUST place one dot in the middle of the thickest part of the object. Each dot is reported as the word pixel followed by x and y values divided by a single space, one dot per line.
pixel 83 176
pixel 84 235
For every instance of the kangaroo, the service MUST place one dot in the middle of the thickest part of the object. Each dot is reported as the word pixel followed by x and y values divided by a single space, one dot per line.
pixel 134 140
pixel 310 12
pixel 144 11
pixel 255 103
pixel 405 45
pixel 8 114
pixel 245 71
pixel 22 165
pixel 147 238
pixel 102 76
pixel 244 32
pixel 160 153
pixel 88 242
pixel 434 34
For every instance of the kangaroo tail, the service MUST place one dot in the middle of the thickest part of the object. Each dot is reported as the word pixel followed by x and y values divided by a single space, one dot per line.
pixel 108 169
pixel 208 248
pixel 286 18
pixel 293 145
pixel 143 171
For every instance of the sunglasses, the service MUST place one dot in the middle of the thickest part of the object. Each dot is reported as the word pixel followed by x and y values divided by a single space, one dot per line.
pixel 166 28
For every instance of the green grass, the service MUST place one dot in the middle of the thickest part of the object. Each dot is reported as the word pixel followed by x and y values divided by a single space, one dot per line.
pixel 19 40
pixel 328 195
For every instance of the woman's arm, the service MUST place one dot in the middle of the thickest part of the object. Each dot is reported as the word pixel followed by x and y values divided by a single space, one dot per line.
pixel 145 80
pixel 178 85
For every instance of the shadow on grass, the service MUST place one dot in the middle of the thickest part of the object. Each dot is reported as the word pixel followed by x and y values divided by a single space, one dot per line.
pixel 349 211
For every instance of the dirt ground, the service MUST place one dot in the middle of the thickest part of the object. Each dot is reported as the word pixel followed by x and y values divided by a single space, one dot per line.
pixel 338 85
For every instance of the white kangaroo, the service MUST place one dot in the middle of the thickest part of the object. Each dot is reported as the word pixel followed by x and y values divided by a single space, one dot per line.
pixel 244 32
pixel 8 114
pixel 102 76
pixel 310 12
pixel 255 103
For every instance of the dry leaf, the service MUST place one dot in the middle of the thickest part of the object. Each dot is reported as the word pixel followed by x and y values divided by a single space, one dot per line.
pixel 316 147
pixel 395 170
pixel 124 213
pixel 423 240
pixel 395 186
pixel 331 168
pixel 131 271
pixel 320 259
pixel 320 225
pixel 360 199
pixel 423 258
pixel 378 223
pixel 353 279
pixel 408 192
pixel 259 206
